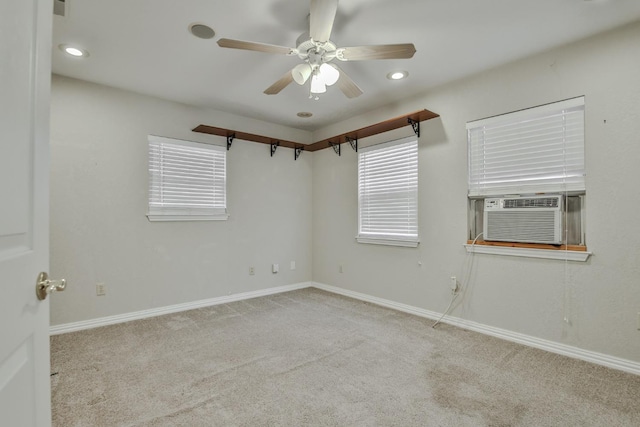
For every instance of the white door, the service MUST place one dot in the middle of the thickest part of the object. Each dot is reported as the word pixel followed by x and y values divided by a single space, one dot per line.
pixel 25 75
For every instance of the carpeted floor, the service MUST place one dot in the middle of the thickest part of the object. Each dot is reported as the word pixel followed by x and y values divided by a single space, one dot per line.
pixel 313 358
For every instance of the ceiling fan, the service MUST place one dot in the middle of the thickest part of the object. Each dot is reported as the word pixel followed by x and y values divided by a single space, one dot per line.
pixel 317 51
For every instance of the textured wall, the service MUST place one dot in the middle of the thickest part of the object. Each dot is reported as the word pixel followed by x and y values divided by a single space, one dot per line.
pixel 99 231
pixel 600 298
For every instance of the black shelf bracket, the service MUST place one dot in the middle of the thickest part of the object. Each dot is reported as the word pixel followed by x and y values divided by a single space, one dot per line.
pixel 230 139
pixel 274 147
pixel 352 142
pixel 297 151
pixel 336 148
pixel 415 125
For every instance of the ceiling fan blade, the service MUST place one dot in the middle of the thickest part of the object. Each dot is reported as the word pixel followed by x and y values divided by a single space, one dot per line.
pixel 384 51
pixel 346 85
pixel 257 47
pixel 323 13
pixel 283 82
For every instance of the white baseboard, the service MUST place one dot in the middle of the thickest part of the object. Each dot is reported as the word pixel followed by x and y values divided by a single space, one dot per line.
pixel 550 346
pixel 136 315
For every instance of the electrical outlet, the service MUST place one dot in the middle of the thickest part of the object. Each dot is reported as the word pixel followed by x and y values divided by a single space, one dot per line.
pixel 275 268
pixel 252 271
pixel 639 320
pixel 454 284
pixel 340 269
pixel 293 265
pixel 101 289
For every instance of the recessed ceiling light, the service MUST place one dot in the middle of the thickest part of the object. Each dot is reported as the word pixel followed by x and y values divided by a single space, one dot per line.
pixel 202 31
pixel 73 51
pixel 397 75
pixel 304 114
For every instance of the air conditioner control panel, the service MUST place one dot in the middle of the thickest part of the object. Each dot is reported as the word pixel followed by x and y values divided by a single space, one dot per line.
pixel 492 203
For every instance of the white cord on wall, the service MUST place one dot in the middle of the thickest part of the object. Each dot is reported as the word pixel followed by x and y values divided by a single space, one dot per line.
pixel 463 284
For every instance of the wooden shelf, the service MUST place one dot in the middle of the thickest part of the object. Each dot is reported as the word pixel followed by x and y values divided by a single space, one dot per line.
pixel 387 125
pixel 212 130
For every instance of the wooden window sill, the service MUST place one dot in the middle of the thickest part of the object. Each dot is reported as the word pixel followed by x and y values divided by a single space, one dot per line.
pixel 530 250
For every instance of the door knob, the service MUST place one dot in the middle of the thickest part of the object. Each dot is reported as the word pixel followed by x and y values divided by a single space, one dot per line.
pixel 44 285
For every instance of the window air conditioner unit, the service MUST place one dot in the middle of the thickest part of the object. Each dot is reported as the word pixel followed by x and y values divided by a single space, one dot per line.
pixel 535 219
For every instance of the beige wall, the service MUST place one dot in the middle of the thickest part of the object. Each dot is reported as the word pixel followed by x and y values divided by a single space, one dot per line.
pixel 99 231
pixel 600 299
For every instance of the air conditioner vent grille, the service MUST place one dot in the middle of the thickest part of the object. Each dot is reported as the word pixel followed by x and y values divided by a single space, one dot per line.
pixel 536 202
pixel 532 219
pixel 538 227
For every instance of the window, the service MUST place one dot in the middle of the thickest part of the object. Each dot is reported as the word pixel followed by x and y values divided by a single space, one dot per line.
pixel 529 152
pixel 538 150
pixel 388 193
pixel 187 180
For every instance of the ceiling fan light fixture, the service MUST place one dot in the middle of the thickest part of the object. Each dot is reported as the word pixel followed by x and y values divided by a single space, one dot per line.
pixel 317 84
pixel 301 73
pixel 329 74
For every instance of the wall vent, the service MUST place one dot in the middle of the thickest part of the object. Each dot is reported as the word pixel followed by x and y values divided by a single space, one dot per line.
pixel 59 7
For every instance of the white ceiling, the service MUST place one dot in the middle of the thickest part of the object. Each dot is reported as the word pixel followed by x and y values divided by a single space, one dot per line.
pixel 145 46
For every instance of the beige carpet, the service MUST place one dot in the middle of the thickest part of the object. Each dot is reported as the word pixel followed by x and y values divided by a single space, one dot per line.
pixel 313 358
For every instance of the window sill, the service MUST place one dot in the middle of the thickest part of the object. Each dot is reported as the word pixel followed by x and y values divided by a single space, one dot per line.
pixel 388 242
pixel 154 218
pixel 530 251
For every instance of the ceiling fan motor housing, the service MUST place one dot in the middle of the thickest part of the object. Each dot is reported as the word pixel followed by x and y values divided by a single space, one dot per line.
pixel 313 52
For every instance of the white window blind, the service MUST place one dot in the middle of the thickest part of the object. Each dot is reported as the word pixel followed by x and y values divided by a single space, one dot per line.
pixel 187 180
pixel 388 193
pixel 536 150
